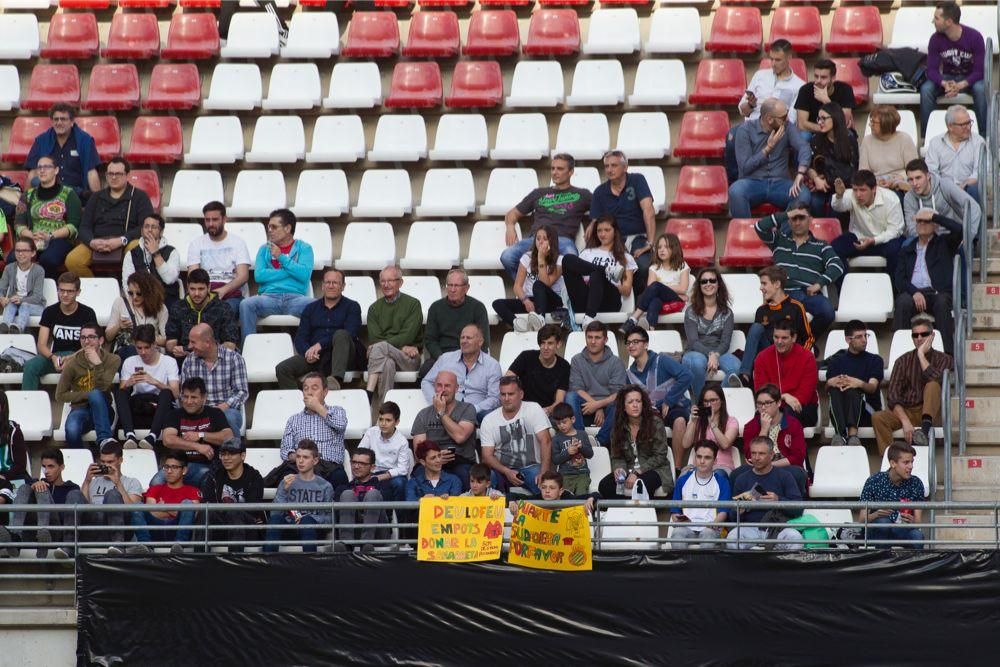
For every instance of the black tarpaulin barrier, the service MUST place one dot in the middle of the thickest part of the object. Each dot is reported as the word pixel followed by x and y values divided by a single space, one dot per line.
pixel 845 608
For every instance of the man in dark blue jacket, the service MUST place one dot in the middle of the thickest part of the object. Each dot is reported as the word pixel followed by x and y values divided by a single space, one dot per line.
pixel 73 150
pixel 327 337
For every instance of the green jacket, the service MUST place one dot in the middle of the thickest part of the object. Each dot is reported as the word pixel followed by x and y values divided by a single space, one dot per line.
pixel 398 323
pixel 79 377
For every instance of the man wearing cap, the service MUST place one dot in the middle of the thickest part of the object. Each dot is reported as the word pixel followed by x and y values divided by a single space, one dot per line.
pixel 234 482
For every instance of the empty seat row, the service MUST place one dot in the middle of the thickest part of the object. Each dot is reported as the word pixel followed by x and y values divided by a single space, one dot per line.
pixel 739 29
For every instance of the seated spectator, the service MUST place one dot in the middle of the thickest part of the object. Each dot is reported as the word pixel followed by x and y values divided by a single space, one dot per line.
pixel 223 255
pixel 106 485
pixel 810 263
pixel 143 304
pixel 876 227
pixel 428 478
pixel 49 489
pixel 479 483
pixel 711 422
pixel 913 401
pixel 71 149
pixel 924 273
pixel 516 443
pixel 282 271
pixel 13 451
pixel 895 485
pixel 538 286
pixel 394 335
pixel 885 151
pixel 782 431
pixel 234 481
pixel 667 383
pixel 49 214
pixel 704 482
pixel 708 331
pixel 669 280
pixel 448 316
pixel 954 155
pixel 393 458
pixel 451 423
pixel 58 332
pixel 792 369
pixel 639 448
pixel 199 306
pixel 763 151
pixel 305 487
pixel 601 276
pixel 196 430
pixel 956 61
pixel 364 487
pixel 766 482
pixel 834 156
pixel 570 451
pixel 544 374
pixel 150 383
pixel 168 488
pixel 153 255
pixel 560 205
pixel 327 337
pixel 824 89
pixel 479 372
pixel 224 373
pixel 7 498
pixel 86 384
pixel 111 222
pixel 551 488
pixel 21 288
pixel 939 195
pixel 777 306
pixel 595 377
pixel 853 376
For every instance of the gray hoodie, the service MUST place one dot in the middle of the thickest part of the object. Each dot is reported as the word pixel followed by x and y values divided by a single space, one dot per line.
pixel 945 198
pixel 600 378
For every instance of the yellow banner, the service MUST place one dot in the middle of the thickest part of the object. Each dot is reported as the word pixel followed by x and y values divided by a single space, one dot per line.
pixel 460 529
pixel 551 539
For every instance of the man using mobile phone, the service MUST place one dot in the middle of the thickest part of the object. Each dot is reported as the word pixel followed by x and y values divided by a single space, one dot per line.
pixel 702 483
pixel 778 485
pixel 106 485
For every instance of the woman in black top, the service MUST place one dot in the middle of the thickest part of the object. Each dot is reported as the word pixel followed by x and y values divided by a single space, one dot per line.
pixel 835 155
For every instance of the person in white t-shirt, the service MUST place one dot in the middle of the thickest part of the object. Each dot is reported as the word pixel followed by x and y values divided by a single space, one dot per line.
pixel 538 287
pixel 150 382
pixel 106 485
pixel 601 276
pixel 702 483
pixel 669 282
pixel 515 439
pixel 393 458
pixel 223 255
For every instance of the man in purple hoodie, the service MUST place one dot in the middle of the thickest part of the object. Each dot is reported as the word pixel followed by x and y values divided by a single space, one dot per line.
pixel 955 61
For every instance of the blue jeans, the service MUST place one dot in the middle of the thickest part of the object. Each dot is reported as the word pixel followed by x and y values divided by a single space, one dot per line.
pixel 195 475
pixel 146 519
pixel 819 307
pixel 930 91
pixel 95 416
pixel 498 481
pixel 755 343
pixel 256 307
pixel 897 532
pixel 697 363
pixel 18 314
pixel 746 193
pixel 973 191
pixel 282 518
pixel 512 255
pixel 576 402
pixel 652 299
pixel 235 419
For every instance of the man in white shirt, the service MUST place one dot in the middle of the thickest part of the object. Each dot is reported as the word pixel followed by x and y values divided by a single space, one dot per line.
pixel 150 383
pixel 223 255
pixel 393 458
pixel 955 154
pixel 515 439
pixel 876 228
pixel 702 483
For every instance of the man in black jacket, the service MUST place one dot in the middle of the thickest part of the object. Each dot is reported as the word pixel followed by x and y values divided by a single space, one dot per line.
pixel 112 220
pixel 234 481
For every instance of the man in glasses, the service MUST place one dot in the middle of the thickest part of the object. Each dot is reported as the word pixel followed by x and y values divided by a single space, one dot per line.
pixel 763 150
pixel 395 335
pixel 364 487
pixel 58 332
pixel 913 402
pixel 168 488
pixel 783 433
pixel 73 151
pixel 853 376
pixel 954 155
pixel 112 220
pixel 85 384
pixel 448 316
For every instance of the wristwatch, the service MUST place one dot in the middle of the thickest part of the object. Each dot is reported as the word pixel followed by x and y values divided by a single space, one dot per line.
pixel 201 436
pixel 124 241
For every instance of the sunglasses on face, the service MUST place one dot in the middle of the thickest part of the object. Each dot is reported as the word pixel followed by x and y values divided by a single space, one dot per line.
pixel 708 281
pixel 920 334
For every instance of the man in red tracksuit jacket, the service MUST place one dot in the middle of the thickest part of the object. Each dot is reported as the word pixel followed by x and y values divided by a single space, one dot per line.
pixel 791 368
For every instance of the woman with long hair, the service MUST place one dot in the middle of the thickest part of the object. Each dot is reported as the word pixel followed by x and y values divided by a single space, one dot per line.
pixel 669 278
pixel 710 420
pixel 835 155
pixel 13 452
pixel 538 284
pixel 708 330
pixel 601 276
pixel 885 151
pixel 143 304
pixel 639 447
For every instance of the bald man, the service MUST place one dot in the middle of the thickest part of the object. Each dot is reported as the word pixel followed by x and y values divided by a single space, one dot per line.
pixel 395 335
pixel 224 373
pixel 478 373
pixel 450 423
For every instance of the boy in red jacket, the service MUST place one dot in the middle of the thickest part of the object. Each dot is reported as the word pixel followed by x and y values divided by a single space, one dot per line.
pixel 791 368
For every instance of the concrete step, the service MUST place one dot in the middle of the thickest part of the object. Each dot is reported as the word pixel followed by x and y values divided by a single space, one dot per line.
pixel 964 528
pixel 985 320
pixel 982 435
pixel 975 471
pixel 970 493
pixel 986 297
pixel 982 377
pixel 981 353
pixel 979 410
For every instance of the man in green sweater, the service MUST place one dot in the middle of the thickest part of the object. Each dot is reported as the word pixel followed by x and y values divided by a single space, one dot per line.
pixel 395 335
pixel 448 316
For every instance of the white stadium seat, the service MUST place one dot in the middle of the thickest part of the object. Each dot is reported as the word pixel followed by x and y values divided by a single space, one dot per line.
pixel 76 461
pixel 368 246
pixel 100 294
pixel 215 140
pixel 399 139
pixel 461 136
pixel 50 296
pixel 488 289
pixel 657 185
pixel 337 139
pixel 189 191
pixel 141 464
pixel 936 126
pixel 613 31
pixel 234 87
pixel 253 234
pixel 19 38
pixel 322 193
pixel 251 35
pixel 514 343
pixel 506 188
pixel 739 404
pixel 362 290
pixel 410 402
pixel 585 136
pixel 644 135
pixel 277 139
pixel 294 86
pixel 32 410
pixel 907 121
pixel 866 297
pixel 984 19
pixel 600 466
pixel 744 290
pixel 641 536
pixel 354 86
pixel 257 192
pixel 921 467
pixel 597 83
pixel 426 289
pixel 521 136
pixel 449 193
pixel 674 30
pixel 831 516
pixel 431 245
pixel 384 193
pixel 488 240
pixel 902 342
pixel 659 83
pixel 264 460
pixel 355 403
pixel 536 83
pixel 319 237
pixel 263 352
pixel 841 472
pixel 59 436
pixel 10 88
pixel 587 178
pixel 665 341
pixel 912 27
pixel 272 408
pixel 180 235
pixel 313 35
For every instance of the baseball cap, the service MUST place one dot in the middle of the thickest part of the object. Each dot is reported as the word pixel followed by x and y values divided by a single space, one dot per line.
pixel 232 445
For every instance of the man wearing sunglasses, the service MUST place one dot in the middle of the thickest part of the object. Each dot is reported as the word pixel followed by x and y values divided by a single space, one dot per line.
pixel 914 395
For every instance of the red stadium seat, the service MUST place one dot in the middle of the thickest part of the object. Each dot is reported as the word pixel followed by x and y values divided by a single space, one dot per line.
pixel 146 179
pixel 72 36
pixel 432 35
pixel 826 229
pixel 703 134
pixel 84 4
pixel 719 82
pixel 505 3
pixel 113 88
pixel 135 36
pixel 476 84
pixel 51 84
pixel 697 237
pixel 798 66
pixel 393 4
pixel 22 134
pixel 415 86
pixel 192 37
pixel 19 177
pixel 609 3
pixel 578 3
pixel 743 246
pixel 800 26
pixel 174 87
pixel 553 32
pixel 145 4
pixel 106 133
pixel 855 30
pixel 735 30
pixel 493 33
pixel 849 72
pixel 701 189
pixel 156 139
pixel 446 3
pixel 203 4
pixel 372 35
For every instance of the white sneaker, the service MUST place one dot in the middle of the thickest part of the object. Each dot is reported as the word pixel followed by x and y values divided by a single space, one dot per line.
pixel 521 323
pixel 176 549
pixel 535 322
pixel 130 443
pixel 643 323
pixel 587 319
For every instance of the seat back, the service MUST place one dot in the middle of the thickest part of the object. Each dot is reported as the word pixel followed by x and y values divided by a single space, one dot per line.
pixel 697 237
